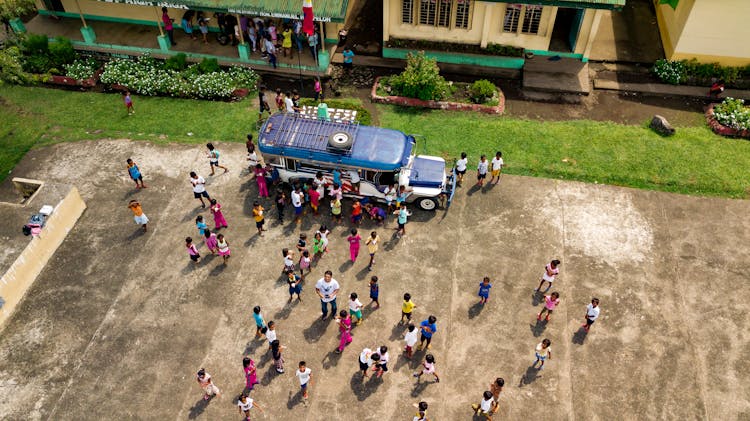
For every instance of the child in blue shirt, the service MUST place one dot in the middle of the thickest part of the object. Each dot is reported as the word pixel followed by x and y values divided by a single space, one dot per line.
pixel 427 328
pixel 484 290
pixel 259 322
pixel 202 227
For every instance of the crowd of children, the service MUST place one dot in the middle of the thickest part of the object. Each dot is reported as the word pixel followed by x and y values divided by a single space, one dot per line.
pixel 298 260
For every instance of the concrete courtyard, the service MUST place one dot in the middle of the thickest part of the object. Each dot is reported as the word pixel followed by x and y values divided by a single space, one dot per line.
pixel 118 323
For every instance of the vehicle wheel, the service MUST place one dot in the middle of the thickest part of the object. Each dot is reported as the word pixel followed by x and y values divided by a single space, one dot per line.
pixel 340 140
pixel 427 204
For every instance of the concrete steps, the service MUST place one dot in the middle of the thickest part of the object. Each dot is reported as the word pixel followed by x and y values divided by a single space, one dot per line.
pixel 560 75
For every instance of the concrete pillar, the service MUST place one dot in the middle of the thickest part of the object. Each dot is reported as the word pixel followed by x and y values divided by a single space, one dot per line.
pixel 487 24
pixel 592 33
pixel 324 59
pixel 387 20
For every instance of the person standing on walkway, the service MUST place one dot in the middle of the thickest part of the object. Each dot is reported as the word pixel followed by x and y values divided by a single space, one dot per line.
pixel 219 220
pixel 251 374
pixel 213 158
pixel 344 320
pixel 372 248
pixel 543 352
pixel 484 290
pixel 260 178
pixel 298 198
pixel 592 313
pixel 461 168
pixel 209 239
pixel 138 215
pixel 168 25
pixel 286 43
pixel 262 101
pixel 496 387
pixel 280 202
pixel 427 328
pixel 270 50
pixel 497 167
pixel 421 411
pixel 223 247
pixel 327 289
pixel 550 302
pixel 410 337
pixel 407 307
pixel 550 272
pixel 483 408
pixel 482 167
pixel 428 367
pixel 135 174
pixel 382 366
pixel 295 285
pixel 355 307
pixel 259 218
pixel 312 41
pixel 192 250
pixel 304 374
pixel 209 388
pixel 245 404
pixel 374 291
pixel 354 240
pixel 187 23
pixel 278 359
pixel 403 218
pixel 199 188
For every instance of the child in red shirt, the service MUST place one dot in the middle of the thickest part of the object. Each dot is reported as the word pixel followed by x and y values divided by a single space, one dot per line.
pixel 356 212
pixel 314 199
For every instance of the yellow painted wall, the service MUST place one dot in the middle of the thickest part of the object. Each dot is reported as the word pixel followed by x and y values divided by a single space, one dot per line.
pixel 490 12
pixel 708 30
pixel 21 275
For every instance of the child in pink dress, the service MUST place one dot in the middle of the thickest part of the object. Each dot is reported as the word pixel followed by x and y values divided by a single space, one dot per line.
pixel 345 327
pixel 251 375
pixel 354 241
pixel 223 247
pixel 218 216
pixel 304 263
pixel 260 178
pixel 210 239
pixel 550 302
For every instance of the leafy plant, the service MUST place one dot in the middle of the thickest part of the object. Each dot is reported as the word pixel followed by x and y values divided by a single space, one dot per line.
pixel 176 62
pixel 37 63
pixel 504 50
pixel 11 9
pixel 61 52
pixel 421 79
pixel 481 91
pixel 209 65
pixel 11 69
pixel 733 113
pixel 693 72
pixel 35 44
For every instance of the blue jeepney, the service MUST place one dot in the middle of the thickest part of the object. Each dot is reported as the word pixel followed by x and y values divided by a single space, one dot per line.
pixel 298 147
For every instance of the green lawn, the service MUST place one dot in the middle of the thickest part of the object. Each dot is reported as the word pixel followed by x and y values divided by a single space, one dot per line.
pixel 694 161
pixel 38 116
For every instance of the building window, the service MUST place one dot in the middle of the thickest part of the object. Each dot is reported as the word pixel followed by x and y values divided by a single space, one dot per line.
pixel 427 12
pixel 407 11
pixel 444 17
pixel 531 19
pixel 512 16
pixel 462 13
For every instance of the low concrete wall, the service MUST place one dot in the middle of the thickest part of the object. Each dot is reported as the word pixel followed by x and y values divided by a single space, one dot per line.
pixel 22 273
pixel 460 58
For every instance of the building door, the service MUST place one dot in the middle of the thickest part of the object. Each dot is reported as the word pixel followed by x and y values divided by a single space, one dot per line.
pixel 54 5
pixel 566 28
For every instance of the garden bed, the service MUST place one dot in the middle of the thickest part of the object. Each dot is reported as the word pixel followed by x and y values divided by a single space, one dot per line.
pixel 384 98
pixel 450 47
pixel 721 129
pixel 87 83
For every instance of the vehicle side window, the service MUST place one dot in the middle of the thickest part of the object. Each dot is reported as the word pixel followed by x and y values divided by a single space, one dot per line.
pixel 371 176
pixel 386 178
pixel 291 164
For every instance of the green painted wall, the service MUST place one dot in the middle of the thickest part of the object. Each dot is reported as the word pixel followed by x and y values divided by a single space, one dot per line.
pixel 458 58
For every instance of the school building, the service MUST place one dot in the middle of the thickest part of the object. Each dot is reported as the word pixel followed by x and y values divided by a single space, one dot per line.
pixel 707 30
pixel 564 28
pixel 134 27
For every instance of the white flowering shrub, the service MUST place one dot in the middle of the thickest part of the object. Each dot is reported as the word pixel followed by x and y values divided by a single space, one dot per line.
pixel 672 72
pixel 146 76
pixel 733 113
pixel 81 68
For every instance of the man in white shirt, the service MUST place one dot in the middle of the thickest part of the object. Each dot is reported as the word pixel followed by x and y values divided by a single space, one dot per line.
pixel 199 188
pixel 288 103
pixel 497 166
pixel 592 312
pixel 354 176
pixel 327 289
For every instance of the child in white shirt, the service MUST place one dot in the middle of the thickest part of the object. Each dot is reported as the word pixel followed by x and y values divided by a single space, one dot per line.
pixel 355 307
pixel 410 337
